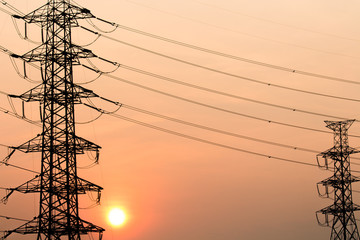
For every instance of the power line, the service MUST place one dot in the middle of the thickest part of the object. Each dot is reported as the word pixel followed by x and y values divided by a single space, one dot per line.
pixel 218 92
pixel 205 105
pixel 214 129
pixel 234 57
pixel 286 69
pixel 184 99
pixel 275 22
pixel 19 117
pixel 227 94
pixel 13 218
pixel 222 54
pixel 204 140
pixel 217 108
pixel 213 91
pixel 226 73
pixel 5 11
pixel 179 134
pixel 18 167
pixel 209 142
pixel 12 8
pixel 186 123
pixel 289 69
pixel 242 33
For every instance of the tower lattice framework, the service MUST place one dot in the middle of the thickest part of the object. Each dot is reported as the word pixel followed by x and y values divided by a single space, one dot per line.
pixel 58 183
pixel 340 215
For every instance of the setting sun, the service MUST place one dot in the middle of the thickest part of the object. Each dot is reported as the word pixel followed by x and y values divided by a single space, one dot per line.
pixel 116 217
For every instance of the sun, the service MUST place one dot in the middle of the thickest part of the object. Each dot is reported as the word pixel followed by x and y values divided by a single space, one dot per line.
pixel 116 217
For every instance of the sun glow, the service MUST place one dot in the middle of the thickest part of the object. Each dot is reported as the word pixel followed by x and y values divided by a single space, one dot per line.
pixel 116 217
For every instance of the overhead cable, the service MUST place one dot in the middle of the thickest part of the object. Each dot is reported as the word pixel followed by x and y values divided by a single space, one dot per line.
pixel 136 109
pixel 178 121
pixel 12 8
pixel 228 94
pixel 286 69
pixel 233 57
pixel 216 130
pixel 246 34
pixel 277 23
pixel 217 108
pixel 209 142
pixel 214 143
pixel 13 218
pixel 18 167
pixel 229 74
pixel 222 54
pixel 207 89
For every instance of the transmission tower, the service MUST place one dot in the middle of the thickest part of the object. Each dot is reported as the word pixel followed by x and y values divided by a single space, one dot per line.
pixel 58 183
pixel 340 215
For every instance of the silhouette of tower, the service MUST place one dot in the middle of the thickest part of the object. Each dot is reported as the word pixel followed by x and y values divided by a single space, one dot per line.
pixel 339 215
pixel 58 182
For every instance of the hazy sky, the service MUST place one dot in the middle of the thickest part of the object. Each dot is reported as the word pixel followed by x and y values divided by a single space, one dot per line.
pixel 173 188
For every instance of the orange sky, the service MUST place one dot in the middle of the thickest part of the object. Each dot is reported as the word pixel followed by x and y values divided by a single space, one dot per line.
pixel 174 188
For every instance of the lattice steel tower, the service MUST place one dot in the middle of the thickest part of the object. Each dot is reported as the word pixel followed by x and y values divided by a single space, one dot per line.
pixel 340 215
pixel 58 182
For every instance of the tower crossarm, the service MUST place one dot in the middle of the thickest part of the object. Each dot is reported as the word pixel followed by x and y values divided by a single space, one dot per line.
pixel 85 186
pixel 38 54
pixel 34 145
pixel 32 227
pixel 32 186
pixel 87 227
pixel 40 15
pixel 335 210
pixel 27 228
pixel 335 153
pixel 335 182
pixel 339 126
pixel 36 94
pixel 83 145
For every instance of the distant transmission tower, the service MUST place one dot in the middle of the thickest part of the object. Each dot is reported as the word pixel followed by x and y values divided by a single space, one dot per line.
pixel 340 215
pixel 58 183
